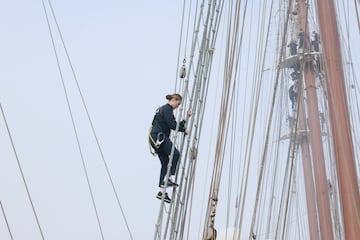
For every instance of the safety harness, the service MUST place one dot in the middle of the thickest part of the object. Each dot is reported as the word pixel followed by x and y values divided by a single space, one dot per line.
pixel 155 144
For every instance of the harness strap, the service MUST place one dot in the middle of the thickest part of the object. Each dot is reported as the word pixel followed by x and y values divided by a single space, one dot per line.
pixel 155 144
pixel 160 138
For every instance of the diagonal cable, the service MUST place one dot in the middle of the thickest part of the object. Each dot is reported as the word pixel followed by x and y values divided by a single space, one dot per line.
pixel 73 122
pixel 90 121
pixel 6 221
pixel 22 176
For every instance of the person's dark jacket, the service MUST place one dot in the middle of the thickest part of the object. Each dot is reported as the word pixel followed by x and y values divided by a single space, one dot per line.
pixel 164 121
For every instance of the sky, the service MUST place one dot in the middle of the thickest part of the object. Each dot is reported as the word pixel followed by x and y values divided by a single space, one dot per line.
pixel 125 56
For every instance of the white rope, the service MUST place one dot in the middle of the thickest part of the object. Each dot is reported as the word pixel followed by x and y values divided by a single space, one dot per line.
pixel 202 93
pixel 197 99
pixel 283 45
pixel 228 96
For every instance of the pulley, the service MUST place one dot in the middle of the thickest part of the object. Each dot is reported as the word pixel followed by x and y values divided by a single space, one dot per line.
pixel 183 70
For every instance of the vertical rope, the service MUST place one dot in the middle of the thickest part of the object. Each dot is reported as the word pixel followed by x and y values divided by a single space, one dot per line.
pixel 264 153
pixel 357 15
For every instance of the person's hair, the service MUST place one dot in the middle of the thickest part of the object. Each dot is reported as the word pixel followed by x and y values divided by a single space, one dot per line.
pixel 174 95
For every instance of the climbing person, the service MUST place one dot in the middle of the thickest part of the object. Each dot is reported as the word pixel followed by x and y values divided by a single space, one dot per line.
pixel 293 96
pixel 301 36
pixel 293 45
pixel 295 75
pixel 316 48
pixel 296 67
pixel 315 42
pixel 159 138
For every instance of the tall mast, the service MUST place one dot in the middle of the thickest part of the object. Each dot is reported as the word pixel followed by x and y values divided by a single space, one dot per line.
pixel 308 176
pixel 317 150
pixel 339 116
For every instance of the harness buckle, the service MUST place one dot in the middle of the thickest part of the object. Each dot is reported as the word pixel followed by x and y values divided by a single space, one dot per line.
pixel 159 139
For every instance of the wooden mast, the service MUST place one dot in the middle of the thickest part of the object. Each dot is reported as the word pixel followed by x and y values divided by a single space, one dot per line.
pixel 308 176
pixel 339 116
pixel 317 150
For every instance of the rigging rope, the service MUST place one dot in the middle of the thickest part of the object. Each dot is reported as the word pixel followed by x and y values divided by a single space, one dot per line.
pixel 338 112
pixel 273 185
pixel 251 121
pixel 294 138
pixel 264 153
pixel 179 49
pixel 197 98
pixel 258 72
pixel 6 221
pixel 227 104
pixel 351 81
pixel 73 121
pixel 240 189
pixel 88 116
pixel 200 97
pixel 22 173
pixel 90 121
pixel 357 14
pixel 211 138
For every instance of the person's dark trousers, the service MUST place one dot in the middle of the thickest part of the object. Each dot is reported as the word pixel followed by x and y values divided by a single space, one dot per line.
pixel 164 154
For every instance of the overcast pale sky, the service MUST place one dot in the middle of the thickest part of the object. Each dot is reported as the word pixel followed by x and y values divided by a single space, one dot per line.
pixel 125 55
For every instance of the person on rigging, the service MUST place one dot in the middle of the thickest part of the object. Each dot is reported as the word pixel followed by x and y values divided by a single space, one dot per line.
pixel 159 139
pixel 295 75
pixel 315 42
pixel 293 96
pixel 301 36
pixel 293 45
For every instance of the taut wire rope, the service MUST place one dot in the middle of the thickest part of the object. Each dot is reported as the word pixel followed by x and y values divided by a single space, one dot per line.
pixel 238 49
pixel 258 70
pixel 199 98
pixel 352 83
pixel 267 135
pixel 181 36
pixel 227 101
pixel 22 173
pixel 275 167
pixel 254 106
pixel 177 194
pixel 6 221
pixel 185 91
pixel 211 137
pixel 357 14
pixel 240 189
pixel 73 122
pixel 89 118
pixel 275 171
pixel 294 146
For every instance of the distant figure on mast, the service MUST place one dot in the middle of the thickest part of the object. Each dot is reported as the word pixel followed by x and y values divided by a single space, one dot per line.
pixel 159 139
pixel 293 49
pixel 296 67
pixel 295 75
pixel 293 96
pixel 315 42
pixel 301 36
